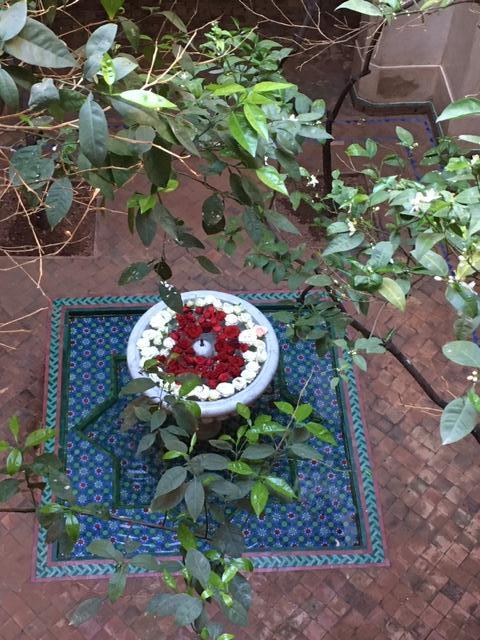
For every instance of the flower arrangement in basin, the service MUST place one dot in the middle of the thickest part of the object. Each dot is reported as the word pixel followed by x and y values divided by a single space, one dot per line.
pixel 226 342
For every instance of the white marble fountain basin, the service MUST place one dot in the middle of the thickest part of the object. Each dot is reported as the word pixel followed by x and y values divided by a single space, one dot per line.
pixel 215 408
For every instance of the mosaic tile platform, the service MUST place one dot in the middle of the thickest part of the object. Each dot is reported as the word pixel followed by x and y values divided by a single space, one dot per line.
pixel 336 521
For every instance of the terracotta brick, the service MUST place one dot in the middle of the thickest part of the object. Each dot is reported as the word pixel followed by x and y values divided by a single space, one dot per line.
pixel 430 493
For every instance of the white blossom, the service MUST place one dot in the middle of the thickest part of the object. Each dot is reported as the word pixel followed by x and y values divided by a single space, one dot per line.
pixel 225 389
pixel 149 352
pixel 202 392
pixel 231 319
pixel 252 366
pixel 248 375
pixel 312 181
pixel 239 383
pixel 169 343
pixel 248 336
pixel 423 198
pixel 351 227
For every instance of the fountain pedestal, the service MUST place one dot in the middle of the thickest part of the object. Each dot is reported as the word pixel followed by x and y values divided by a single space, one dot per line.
pixel 215 409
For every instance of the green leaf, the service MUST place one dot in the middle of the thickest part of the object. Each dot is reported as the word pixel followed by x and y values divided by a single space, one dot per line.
pixel 264 87
pixel 243 410
pixel 241 598
pixel 8 488
pixel 8 90
pixel 28 167
pixel 14 461
pixel 259 497
pixel 319 281
pixel 101 40
pixel 108 70
pixel 146 226
pixel 185 608
pixel 147 99
pixel 213 209
pixel 305 451
pixel 207 264
pixel 198 566
pixel 42 93
pixel 240 468
pixel 212 461
pixel 460 109
pixel 60 485
pixel 258 451
pixel 37 45
pixel 131 31
pixel 229 539
pixel 123 67
pixel 361 6
pixel 138 385
pixel 12 20
pixel 170 480
pixel 393 293
pixel 434 263
pixel 269 176
pixel 175 20
pixel 226 89
pixel 242 133
pixel 38 436
pixel 133 273
pixel 72 527
pixel 280 486
pixel 344 242
pixel 158 165
pixel 472 139
pixel 285 407
pixel 93 132
pixel 257 120
pixel 170 296
pixel 424 242
pixel 145 561
pixel 458 420
pixel 194 498
pixel 320 432
pixel 189 382
pixel 85 611
pixel 14 427
pixel 147 441
pixel 117 583
pixel 186 537
pixel 463 352
pixel 58 201
pixel 381 254
pixel 302 412
pixel 104 549
pixel 405 137
pixel 168 501
pixel 112 7
pixel 185 134
pixel 281 222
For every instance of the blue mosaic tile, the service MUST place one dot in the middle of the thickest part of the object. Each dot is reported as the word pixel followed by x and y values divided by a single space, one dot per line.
pixel 100 458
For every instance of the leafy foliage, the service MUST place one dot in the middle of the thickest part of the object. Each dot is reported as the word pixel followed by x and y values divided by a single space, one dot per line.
pixel 127 104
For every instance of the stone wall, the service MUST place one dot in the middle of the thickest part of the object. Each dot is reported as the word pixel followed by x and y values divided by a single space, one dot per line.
pixel 435 58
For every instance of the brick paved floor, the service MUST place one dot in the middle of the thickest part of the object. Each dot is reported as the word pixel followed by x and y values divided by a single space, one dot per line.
pixel 430 494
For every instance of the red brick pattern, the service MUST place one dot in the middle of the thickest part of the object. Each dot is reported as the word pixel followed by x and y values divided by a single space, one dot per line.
pixel 429 494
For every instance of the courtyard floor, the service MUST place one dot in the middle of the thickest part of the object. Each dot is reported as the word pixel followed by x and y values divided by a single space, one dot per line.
pixel 429 494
